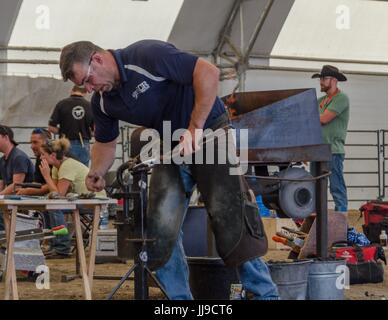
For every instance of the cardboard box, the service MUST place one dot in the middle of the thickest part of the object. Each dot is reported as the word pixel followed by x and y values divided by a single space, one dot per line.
pixel 273 225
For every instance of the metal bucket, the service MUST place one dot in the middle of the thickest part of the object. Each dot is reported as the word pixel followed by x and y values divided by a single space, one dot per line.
pixel 291 278
pixel 323 281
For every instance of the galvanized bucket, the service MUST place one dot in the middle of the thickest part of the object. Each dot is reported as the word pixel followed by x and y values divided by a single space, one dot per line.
pixel 291 278
pixel 324 282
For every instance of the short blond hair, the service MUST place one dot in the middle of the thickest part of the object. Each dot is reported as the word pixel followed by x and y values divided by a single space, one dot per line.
pixel 60 147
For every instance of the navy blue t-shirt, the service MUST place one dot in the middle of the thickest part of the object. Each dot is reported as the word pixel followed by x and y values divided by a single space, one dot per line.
pixel 17 162
pixel 156 85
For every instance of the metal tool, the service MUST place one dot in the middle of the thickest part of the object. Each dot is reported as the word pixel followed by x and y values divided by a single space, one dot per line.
pixel 38 233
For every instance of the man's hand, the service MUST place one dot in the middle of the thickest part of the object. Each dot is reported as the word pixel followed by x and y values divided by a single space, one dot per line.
pixel 94 182
pixel 189 141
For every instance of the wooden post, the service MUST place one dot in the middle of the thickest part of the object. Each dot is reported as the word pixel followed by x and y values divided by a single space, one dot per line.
pixel 93 244
pixel 10 273
pixel 81 254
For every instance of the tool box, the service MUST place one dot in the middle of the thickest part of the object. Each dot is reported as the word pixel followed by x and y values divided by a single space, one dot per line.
pixel 375 215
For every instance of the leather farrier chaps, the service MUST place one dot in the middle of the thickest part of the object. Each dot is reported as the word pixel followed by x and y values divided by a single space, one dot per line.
pixel 237 226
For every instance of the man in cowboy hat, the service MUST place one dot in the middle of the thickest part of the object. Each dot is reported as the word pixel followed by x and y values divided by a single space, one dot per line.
pixel 334 117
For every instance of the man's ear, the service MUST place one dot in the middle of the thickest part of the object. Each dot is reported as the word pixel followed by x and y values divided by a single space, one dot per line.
pixel 98 58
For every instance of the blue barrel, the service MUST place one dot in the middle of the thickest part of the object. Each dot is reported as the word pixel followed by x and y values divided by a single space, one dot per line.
pixel 291 278
pixel 324 282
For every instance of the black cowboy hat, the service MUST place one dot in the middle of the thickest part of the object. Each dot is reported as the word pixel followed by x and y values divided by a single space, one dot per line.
pixel 330 71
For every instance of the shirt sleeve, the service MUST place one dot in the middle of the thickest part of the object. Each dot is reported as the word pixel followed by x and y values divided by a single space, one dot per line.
pixel 340 105
pixel 165 60
pixel 20 165
pixel 66 172
pixel 107 128
pixel 54 119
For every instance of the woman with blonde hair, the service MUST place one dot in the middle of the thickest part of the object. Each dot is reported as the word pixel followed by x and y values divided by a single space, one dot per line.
pixel 67 174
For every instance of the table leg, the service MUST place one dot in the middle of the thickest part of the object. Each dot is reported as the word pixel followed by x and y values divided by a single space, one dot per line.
pixel 7 288
pixel 93 244
pixel 10 272
pixel 81 254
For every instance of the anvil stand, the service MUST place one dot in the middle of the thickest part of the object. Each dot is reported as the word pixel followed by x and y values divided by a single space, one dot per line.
pixel 139 196
pixel 321 155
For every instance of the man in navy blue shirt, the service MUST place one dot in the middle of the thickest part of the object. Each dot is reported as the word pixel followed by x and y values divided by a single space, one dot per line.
pixel 15 165
pixel 148 84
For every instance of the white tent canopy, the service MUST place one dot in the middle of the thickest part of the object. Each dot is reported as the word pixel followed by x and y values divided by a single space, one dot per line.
pixel 109 23
pixel 354 31
pixel 274 33
pixel 204 34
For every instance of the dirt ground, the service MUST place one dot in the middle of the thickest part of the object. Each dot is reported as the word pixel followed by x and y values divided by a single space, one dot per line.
pixel 73 290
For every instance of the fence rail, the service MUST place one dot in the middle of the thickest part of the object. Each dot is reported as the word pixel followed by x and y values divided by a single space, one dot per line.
pixel 374 150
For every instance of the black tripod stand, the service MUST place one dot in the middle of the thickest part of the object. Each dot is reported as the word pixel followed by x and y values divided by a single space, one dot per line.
pixel 137 216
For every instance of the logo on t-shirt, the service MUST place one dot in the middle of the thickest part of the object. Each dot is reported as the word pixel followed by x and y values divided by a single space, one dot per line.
pixel 78 112
pixel 141 88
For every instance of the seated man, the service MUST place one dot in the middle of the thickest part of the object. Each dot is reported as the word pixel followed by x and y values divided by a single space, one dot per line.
pixel 15 165
pixel 39 136
pixel 60 246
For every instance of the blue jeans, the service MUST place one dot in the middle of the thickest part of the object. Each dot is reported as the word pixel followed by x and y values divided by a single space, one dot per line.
pixel 82 153
pixel 60 244
pixel 174 275
pixel 337 182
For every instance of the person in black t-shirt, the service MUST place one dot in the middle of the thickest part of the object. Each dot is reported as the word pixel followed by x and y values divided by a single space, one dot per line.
pixel 39 136
pixel 72 118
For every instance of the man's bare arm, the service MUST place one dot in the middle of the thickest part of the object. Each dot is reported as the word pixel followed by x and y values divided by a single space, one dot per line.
pixel 327 116
pixel 205 84
pixel 52 129
pixel 102 158
pixel 16 178
pixel 34 191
